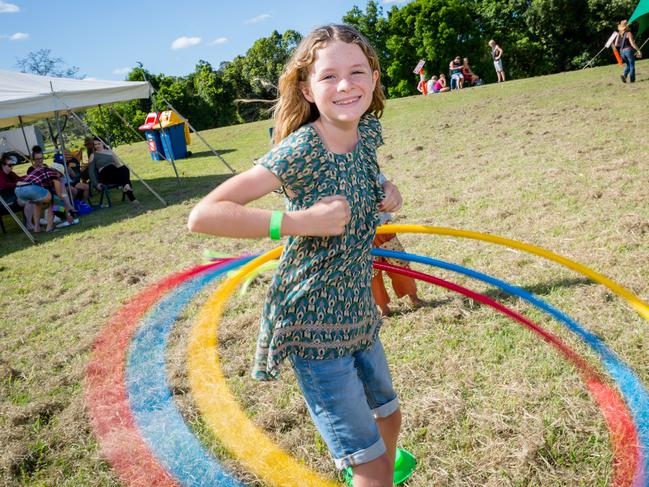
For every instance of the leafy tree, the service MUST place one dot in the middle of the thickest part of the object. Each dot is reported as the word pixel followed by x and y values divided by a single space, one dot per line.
pixel 435 30
pixel 211 97
pixel 375 27
pixel 42 63
pixel 255 75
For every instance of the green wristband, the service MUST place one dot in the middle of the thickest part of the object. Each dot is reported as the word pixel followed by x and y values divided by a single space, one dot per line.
pixel 275 229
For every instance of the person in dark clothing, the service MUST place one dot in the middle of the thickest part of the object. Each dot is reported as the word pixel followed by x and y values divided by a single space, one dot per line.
pixel 104 167
pixel 628 49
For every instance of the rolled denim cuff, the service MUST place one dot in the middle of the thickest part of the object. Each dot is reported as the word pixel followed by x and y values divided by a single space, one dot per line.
pixel 363 456
pixel 387 409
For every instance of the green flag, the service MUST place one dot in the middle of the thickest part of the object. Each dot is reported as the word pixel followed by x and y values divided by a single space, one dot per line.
pixel 641 14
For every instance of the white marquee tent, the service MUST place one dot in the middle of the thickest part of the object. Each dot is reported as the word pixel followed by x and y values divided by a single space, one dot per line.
pixel 26 97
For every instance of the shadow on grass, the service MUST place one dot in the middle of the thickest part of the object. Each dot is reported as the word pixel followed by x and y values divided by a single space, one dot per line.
pixel 406 309
pixel 540 289
pixel 191 187
pixel 209 153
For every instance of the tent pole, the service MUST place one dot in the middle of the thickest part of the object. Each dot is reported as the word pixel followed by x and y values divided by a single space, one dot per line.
pixel 214 151
pixel 22 128
pixel 17 220
pixel 125 122
pixel 643 45
pixel 65 163
pixel 155 109
pixel 129 167
pixel 103 121
pixel 589 62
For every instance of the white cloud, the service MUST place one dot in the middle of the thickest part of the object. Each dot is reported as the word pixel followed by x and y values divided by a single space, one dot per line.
pixel 121 70
pixel 90 78
pixel 18 36
pixel 389 2
pixel 8 8
pixel 219 40
pixel 257 19
pixel 184 41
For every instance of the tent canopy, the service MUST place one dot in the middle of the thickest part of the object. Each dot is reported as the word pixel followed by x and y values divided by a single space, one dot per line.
pixel 34 97
pixel 641 14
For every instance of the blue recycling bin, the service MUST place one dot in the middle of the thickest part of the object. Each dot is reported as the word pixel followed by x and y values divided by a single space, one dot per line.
pixel 173 141
pixel 154 143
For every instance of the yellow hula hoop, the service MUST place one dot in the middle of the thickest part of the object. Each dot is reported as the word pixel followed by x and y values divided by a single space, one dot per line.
pixel 220 409
pixel 640 306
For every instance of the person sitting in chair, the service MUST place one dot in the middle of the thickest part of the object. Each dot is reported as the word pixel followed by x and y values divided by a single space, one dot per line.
pixel 38 159
pixel 104 167
pixel 40 187
pixel 8 181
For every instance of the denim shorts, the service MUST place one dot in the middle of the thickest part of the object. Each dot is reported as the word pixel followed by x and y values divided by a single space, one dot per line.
pixel 31 192
pixel 345 395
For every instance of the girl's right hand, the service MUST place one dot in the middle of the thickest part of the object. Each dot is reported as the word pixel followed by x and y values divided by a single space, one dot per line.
pixel 327 217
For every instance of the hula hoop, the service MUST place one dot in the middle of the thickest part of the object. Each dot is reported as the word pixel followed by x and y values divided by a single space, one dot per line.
pixel 141 461
pixel 640 306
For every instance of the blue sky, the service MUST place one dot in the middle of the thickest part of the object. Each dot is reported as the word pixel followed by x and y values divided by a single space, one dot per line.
pixel 106 38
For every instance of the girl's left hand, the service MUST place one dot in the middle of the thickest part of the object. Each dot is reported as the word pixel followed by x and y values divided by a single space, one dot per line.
pixel 392 201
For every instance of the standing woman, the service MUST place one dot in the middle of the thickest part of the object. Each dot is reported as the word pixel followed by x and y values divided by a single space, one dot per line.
pixel 628 50
pixel 104 167
pixel 497 54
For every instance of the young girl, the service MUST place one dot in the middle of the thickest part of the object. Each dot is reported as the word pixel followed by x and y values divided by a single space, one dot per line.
pixel 319 312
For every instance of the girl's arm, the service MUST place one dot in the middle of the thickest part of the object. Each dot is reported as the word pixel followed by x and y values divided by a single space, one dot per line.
pixel 223 212
pixel 632 42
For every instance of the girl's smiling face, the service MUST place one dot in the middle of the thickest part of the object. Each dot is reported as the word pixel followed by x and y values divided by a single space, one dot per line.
pixel 341 83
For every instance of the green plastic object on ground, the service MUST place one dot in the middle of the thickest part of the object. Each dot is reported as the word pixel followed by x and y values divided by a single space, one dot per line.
pixel 404 465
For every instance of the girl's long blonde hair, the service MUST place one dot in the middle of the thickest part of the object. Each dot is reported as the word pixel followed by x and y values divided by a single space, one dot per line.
pixel 292 110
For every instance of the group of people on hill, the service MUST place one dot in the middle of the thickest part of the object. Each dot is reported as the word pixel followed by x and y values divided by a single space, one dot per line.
pixel 62 185
pixel 461 74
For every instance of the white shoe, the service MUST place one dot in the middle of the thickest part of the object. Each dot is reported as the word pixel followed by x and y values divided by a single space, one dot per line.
pixel 56 220
pixel 68 224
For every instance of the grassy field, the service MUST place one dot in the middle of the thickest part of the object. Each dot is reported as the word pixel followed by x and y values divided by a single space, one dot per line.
pixel 559 161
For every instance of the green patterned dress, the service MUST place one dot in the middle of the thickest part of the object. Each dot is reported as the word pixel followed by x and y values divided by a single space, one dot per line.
pixel 320 303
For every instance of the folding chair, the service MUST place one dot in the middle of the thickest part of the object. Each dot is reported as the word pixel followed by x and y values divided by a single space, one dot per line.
pixel 105 188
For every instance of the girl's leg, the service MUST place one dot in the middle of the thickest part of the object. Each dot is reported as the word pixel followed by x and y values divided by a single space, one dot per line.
pixel 380 293
pixel 338 402
pixel 380 472
pixel 377 473
pixel 28 211
pixel 373 369
pixel 50 218
pixel 389 428
pixel 37 217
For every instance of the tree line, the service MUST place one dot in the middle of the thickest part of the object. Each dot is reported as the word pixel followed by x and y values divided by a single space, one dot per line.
pixel 538 37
